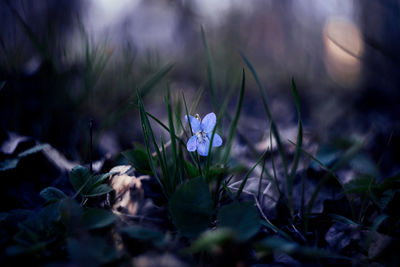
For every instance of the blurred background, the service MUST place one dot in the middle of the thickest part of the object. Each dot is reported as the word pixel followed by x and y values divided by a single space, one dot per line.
pixel 65 63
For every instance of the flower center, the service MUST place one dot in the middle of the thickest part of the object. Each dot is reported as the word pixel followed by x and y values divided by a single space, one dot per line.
pixel 201 137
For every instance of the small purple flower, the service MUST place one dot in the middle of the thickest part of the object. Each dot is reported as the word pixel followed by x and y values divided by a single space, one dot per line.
pixel 202 132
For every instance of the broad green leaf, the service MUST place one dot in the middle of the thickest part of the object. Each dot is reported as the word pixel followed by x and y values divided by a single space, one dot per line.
pixel 392 182
pixel 52 193
pixel 99 178
pixel 360 184
pixel 212 239
pixel 91 251
pixel 191 207
pixel 98 191
pixel 191 170
pixel 71 213
pixel 79 178
pixel 145 234
pixel 292 248
pixel 97 218
pixel 138 158
pixel 242 217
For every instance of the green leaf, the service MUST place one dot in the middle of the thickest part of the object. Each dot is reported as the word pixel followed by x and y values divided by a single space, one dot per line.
pixel 96 180
pixel 91 251
pixel 392 182
pixel 292 248
pixel 138 158
pixel 374 228
pixel 71 213
pixel 276 229
pixel 274 128
pixel 242 217
pixel 326 156
pixel 52 193
pixel 191 170
pixel 97 218
pixel 145 234
pixel 79 178
pixel 360 184
pixel 235 120
pixel 212 239
pixel 98 191
pixel 191 207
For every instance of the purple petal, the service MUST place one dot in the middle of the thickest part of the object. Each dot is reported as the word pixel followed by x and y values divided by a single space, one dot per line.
pixel 203 147
pixel 194 123
pixel 192 143
pixel 208 122
pixel 217 141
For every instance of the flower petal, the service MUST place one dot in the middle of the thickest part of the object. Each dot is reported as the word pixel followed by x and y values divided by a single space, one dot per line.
pixel 208 122
pixel 192 143
pixel 203 147
pixel 217 141
pixel 194 123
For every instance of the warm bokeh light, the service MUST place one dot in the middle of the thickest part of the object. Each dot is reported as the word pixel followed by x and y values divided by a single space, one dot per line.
pixel 343 51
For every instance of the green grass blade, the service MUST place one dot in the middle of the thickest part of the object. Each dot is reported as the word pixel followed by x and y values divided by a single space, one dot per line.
pixel 235 121
pixel 167 177
pixel 274 129
pixel 377 222
pixel 196 101
pixel 298 146
pixel 220 115
pixel 346 157
pixel 171 128
pixel 241 187
pixel 210 72
pixel 39 46
pixel 261 177
pixel 342 219
pixel 131 99
pixel 276 230
pixel 146 132
pixel 273 167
